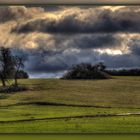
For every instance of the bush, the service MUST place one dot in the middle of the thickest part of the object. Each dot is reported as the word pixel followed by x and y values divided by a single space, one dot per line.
pixel 22 75
pixel 87 71
pixel 12 88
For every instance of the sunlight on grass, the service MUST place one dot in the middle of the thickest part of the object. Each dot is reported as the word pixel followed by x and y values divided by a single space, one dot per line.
pixel 54 98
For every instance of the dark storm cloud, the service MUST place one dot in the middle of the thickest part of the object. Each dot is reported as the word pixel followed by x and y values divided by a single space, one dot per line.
pixel 44 61
pixel 96 41
pixel 56 63
pixel 93 22
pixel 14 13
pixel 84 41
pixel 41 61
pixel 11 13
pixel 53 8
pixel 135 50
pixel 135 46
pixel 47 61
pixel 121 61
pixel 57 38
pixel 66 51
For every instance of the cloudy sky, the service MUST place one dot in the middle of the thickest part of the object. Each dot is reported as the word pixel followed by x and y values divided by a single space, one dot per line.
pixel 53 38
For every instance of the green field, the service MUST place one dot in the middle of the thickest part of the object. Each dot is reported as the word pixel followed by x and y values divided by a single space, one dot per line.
pixel 72 106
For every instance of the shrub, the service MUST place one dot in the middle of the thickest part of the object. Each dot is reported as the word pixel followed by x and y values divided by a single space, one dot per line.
pixel 22 75
pixel 12 88
pixel 87 71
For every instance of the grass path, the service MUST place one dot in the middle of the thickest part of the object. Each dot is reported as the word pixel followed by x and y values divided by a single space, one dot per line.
pixel 74 117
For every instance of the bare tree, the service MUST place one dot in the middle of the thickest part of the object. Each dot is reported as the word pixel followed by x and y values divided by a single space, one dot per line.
pixel 18 64
pixel 10 66
pixel 6 64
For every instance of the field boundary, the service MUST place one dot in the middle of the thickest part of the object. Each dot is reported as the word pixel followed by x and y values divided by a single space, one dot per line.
pixel 74 117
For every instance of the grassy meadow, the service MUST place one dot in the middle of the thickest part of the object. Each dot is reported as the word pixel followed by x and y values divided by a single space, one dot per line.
pixel 72 106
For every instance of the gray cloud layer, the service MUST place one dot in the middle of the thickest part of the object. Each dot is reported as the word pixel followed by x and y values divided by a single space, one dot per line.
pixel 86 21
pixel 55 38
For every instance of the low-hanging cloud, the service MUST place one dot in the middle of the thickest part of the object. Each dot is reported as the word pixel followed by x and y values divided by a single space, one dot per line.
pixel 92 20
pixel 59 61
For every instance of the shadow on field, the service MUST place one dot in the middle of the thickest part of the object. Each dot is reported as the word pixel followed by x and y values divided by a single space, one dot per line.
pixel 56 104
pixel 63 104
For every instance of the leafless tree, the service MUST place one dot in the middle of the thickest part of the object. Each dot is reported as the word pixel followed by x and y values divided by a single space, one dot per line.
pixel 18 65
pixel 6 64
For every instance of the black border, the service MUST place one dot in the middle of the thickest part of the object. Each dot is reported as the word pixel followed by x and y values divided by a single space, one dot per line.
pixel 69 2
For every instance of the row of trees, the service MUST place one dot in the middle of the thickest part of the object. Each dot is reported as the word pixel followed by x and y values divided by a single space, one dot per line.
pixel 97 71
pixel 11 67
pixel 124 72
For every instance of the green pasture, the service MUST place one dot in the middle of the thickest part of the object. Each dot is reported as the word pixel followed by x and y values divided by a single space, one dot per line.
pixel 72 106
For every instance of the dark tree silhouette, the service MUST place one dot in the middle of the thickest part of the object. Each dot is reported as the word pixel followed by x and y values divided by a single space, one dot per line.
pixel 124 72
pixel 22 75
pixel 11 67
pixel 101 66
pixel 87 71
pixel 6 64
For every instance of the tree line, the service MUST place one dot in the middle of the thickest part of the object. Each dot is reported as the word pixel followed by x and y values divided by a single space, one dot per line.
pixel 97 71
pixel 124 72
